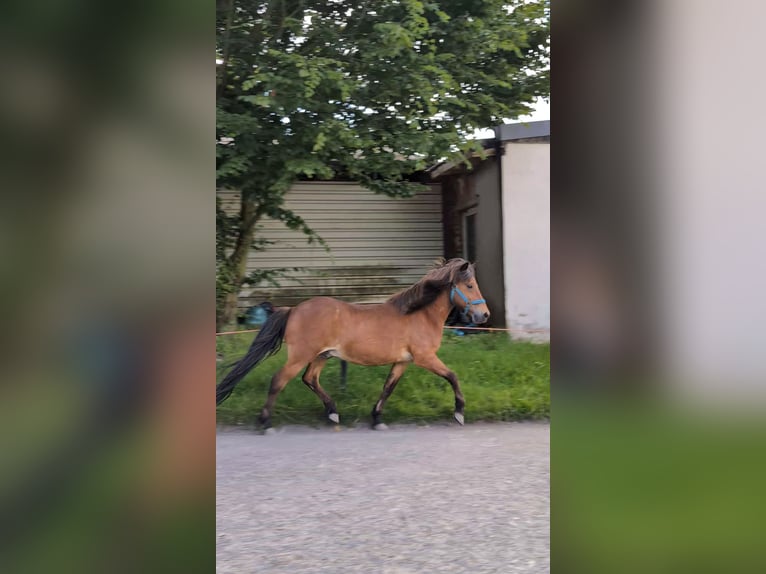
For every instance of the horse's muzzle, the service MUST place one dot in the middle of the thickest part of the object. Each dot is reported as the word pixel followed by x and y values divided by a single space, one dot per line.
pixel 480 317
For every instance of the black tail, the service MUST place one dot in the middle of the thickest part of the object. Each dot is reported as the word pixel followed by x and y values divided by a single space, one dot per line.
pixel 268 342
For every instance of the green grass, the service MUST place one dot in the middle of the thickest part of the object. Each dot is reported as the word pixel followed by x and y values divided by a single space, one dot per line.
pixel 501 380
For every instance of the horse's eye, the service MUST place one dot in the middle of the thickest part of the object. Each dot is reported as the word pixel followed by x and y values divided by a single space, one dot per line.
pixel 469 286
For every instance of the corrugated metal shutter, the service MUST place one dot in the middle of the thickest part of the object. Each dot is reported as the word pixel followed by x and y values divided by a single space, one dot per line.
pixel 378 245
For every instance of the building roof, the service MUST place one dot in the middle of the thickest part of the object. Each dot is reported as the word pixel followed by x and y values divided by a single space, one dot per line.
pixel 503 133
pixel 449 167
pixel 520 131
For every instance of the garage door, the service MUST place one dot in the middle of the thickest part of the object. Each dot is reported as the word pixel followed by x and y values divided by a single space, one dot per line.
pixel 378 245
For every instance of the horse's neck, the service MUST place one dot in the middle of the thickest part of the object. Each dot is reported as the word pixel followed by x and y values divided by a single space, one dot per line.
pixel 439 310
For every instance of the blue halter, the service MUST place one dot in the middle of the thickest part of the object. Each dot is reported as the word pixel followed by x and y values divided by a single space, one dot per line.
pixel 465 299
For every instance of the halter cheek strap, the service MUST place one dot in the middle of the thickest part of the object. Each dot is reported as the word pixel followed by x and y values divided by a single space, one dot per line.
pixel 465 299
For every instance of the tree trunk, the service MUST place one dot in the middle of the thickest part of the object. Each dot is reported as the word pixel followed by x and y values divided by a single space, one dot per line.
pixel 238 261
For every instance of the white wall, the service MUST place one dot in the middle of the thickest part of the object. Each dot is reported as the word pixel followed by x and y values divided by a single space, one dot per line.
pixel 526 237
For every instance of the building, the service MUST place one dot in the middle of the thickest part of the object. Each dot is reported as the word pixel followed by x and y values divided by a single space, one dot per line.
pixel 497 214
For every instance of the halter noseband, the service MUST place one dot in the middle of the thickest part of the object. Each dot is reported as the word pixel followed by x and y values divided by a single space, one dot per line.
pixel 468 303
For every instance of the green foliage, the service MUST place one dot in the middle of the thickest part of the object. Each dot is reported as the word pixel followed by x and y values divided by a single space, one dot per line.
pixel 368 91
pixel 225 236
pixel 311 88
pixel 500 379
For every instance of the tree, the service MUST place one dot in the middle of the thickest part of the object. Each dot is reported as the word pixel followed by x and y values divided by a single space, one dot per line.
pixel 361 89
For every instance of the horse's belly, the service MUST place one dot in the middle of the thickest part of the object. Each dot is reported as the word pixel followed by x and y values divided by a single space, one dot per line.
pixel 370 357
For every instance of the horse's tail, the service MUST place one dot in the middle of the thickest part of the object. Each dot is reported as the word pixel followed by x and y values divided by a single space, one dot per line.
pixel 268 342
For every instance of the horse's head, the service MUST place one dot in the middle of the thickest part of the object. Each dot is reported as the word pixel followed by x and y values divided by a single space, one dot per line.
pixel 466 295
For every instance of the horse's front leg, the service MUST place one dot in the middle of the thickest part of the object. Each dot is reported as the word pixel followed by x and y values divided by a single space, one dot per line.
pixel 397 370
pixel 434 364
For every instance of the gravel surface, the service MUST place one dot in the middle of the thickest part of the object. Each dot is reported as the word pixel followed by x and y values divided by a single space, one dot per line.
pixel 437 499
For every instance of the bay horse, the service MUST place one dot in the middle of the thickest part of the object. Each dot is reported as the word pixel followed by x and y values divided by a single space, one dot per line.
pixel 406 329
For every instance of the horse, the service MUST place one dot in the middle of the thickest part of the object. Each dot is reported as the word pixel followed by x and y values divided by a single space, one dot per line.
pixel 405 329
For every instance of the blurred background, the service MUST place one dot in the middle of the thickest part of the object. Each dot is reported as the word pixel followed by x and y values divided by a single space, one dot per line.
pixel 657 283
pixel 107 240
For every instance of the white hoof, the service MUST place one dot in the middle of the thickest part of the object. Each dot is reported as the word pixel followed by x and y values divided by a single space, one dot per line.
pixel 460 418
pixel 380 426
pixel 270 431
pixel 334 417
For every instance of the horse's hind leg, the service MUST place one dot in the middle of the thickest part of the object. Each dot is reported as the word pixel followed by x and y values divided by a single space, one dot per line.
pixel 278 382
pixel 434 364
pixel 311 380
pixel 393 377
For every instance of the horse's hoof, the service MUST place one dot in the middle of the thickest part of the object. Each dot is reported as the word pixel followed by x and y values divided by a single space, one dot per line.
pixel 460 418
pixel 334 417
pixel 269 431
pixel 380 426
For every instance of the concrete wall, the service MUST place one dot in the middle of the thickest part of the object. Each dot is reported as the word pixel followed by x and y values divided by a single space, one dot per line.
pixel 526 237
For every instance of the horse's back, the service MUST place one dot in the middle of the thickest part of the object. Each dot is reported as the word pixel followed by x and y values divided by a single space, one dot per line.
pixel 320 324
pixel 319 304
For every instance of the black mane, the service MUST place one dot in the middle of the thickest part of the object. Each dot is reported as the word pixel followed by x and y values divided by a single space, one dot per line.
pixel 425 291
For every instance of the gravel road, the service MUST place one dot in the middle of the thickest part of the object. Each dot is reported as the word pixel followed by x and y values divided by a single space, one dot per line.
pixel 437 499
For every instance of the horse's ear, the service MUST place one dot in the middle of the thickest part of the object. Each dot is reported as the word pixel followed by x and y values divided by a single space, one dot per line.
pixel 465 266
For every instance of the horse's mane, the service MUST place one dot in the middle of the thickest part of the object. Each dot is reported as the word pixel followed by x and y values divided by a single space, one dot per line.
pixel 425 291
